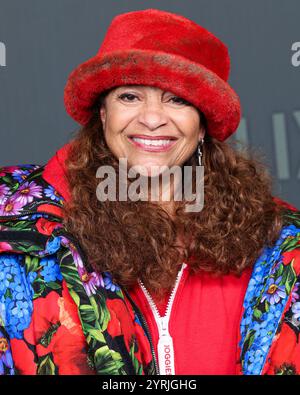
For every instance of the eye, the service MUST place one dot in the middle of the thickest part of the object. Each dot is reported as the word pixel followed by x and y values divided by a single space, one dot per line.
pixel 179 100
pixel 129 96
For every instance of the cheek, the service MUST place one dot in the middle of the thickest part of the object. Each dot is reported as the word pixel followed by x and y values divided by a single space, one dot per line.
pixel 113 128
pixel 189 122
pixel 113 142
pixel 115 134
pixel 191 134
pixel 117 120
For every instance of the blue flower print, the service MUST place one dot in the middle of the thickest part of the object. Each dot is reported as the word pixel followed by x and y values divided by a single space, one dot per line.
pixel 15 296
pixel 52 194
pixel 52 246
pixel 20 309
pixel 20 175
pixel 108 283
pixel 51 270
pixel 31 276
pixel 264 304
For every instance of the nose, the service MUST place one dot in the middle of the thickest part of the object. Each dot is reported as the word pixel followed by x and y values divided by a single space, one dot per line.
pixel 152 115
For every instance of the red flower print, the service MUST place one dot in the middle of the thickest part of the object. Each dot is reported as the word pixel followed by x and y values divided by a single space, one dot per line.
pixel 143 354
pixel 7 169
pixel 68 313
pixel 45 315
pixel 68 344
pixel 23 357
pixel 69 352
pixel 292 257
pixel 286 350
pixel 121 322
pixel 5 246
pixel 55 328
pixel 45 226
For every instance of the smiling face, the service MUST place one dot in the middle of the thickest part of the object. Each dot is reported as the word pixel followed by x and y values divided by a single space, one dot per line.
pixel 149 126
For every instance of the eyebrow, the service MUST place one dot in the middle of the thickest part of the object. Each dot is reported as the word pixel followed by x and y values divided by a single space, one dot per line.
pixel 140 87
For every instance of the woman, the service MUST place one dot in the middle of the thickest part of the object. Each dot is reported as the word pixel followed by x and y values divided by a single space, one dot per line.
pixel 146 286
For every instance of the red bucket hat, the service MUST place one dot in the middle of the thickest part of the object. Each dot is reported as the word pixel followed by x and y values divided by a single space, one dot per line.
pixel 164 50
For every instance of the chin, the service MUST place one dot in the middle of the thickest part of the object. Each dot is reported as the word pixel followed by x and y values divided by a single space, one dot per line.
pixel 147 171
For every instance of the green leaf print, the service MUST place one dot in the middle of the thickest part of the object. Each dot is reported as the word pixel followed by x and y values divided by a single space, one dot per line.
pixel 104 312
pixel 31 263
pixel 39 287
pixel 257 313
pixel 290 279
pixel 87 313
pixel 97 335
pixel 45 340
pixel 71 276
pixel 75 296
pixel 9 180
pixel 46 366
pixel 290 244
pixel 108 361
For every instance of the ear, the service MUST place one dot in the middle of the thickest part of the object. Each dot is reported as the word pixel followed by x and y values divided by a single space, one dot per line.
pixel 201 133
pixel 103 115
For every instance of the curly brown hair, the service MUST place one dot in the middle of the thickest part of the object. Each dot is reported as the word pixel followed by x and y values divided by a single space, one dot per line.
pixel 140 240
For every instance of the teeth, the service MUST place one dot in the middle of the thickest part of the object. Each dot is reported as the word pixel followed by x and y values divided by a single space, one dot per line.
pixel 151 142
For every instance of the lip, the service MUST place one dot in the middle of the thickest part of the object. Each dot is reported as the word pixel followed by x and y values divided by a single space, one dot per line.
pixel 144 136
pixel 148 148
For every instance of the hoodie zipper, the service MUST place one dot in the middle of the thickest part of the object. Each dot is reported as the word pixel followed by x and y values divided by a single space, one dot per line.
pixel 146 329
pixel 165 347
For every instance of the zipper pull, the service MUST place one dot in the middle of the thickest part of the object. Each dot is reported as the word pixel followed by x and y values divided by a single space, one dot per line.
pixel 165 348
pixel 163 326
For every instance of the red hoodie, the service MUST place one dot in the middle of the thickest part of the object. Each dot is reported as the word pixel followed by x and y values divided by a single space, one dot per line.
pixel 206 310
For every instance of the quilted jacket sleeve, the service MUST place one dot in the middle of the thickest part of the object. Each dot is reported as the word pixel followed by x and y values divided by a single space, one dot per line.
pixel 40 328
pixel 284 356
pixel 15 307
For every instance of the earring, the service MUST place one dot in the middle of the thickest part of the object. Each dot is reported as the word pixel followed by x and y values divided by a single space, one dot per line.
pixel 200 153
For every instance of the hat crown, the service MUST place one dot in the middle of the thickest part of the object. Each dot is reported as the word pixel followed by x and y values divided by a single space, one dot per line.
pixel 160 49
pixel 164 32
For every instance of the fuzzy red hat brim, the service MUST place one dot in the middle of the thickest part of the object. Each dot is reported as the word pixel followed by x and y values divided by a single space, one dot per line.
pixel 193 82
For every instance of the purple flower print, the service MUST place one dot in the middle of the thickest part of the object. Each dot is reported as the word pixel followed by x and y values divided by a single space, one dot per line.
pixel 296 311
pixel 275 291
pixel 3 192
pixel 295 295
pixel 90 281
pixel 77 259
pixel 27 192
pixel 6 360
pixel 10 207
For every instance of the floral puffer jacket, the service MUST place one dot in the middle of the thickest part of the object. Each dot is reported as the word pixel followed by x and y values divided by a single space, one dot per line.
pixel 57 316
